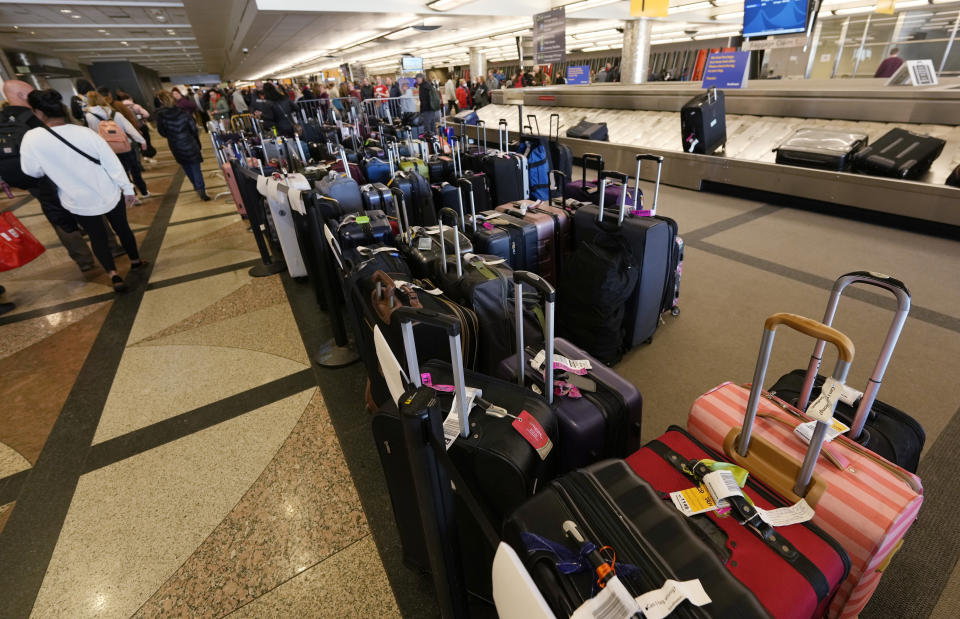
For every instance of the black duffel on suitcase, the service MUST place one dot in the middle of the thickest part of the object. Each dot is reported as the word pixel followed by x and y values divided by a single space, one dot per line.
pixel 703 123
pixel 500 466
pixel 827 149
pixel 626 523
pixel 586 130
pixel 652 242
pixel 879 427
pixel 898 153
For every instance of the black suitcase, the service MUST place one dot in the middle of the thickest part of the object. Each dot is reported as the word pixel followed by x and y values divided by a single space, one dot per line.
pixel 652 242
pixel 886 430
pixel 560 154
pixel 419 197
pixel 501 467
pixel 424 247
pixel 703 123
pixel 504 172
pixel 586 130
pixel 632 532
pixel 826 149
pixel 378 197
pixel 364 228
pixel 898 153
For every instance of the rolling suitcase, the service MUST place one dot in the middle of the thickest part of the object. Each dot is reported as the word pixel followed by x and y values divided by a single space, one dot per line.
pixel 418 195
pixel 878 426
pixel 283 223
pixel 826 149
pixel 484 441
pixel 342 187
pixel 231 180
pixel 794 570
pixel 378 197
pixel 586 130
pixel 560 153
pixel 603 521
pixel 703 123
pixel 424 247
pixel 545 261
pixel 584 190
pixel 859 499
pixel 898 153
pixel 598 411
pixel 652 243
pixel 367 228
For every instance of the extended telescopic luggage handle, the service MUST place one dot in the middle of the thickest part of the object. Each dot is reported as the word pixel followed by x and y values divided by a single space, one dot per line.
pixel 560 180
pixel 503 135
pixel 623 195
pixel 656 188
pixel 900 291
pixel 554 137
pixel 407 315
pixel 822 333
pixel 583 169
pixel 456 240
pixel 473 204
pixel 549 295
pixel 402 218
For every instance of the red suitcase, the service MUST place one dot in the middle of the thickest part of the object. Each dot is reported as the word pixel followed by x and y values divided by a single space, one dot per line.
pixel 794 570
pixel 601 417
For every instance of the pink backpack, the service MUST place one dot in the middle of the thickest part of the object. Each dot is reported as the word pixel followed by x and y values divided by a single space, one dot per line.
pixel 114 134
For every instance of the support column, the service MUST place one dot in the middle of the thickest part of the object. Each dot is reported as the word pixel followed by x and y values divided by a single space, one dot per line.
pixel 635 64
pixel 478 63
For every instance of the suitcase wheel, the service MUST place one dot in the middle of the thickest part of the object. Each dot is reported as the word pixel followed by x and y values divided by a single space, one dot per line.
pixel 675 311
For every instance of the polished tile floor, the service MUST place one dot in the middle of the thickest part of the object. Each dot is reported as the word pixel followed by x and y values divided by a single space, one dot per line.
pixel 175 452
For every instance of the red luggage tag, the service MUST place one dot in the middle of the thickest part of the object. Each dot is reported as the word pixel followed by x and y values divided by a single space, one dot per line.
pixel 530 429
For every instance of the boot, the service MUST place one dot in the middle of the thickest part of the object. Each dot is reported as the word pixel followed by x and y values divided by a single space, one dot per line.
pixel 203 195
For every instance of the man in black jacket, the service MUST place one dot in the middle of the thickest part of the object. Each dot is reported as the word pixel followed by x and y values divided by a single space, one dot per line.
pixel 366 90
pixel 429 103
pixel 63 222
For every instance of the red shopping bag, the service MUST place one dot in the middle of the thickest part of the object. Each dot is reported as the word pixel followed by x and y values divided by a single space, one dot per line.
pixel 17 245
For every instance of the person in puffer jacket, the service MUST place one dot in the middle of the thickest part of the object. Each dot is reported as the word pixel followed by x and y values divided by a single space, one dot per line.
pixel 180 129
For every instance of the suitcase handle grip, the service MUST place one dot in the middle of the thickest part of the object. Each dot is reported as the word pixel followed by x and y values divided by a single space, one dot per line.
pixel 407 315
pixel 402 218
pixel 473 205
pixel 656 188
pixel 560 180
pixel 621 211
pixel 900 291
pixel 456 240
pixel 818 331
pixel 591 157
pixel 549 295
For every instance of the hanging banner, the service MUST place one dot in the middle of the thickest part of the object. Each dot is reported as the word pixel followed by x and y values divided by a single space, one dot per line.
pixel 649 8
pixel 885 7
pixel 550 36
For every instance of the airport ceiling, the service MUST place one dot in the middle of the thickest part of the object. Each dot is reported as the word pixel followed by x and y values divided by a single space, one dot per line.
pixel 248 39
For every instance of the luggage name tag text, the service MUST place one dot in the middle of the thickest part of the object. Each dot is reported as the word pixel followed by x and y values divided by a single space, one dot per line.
pixel 574 366
pixel 805 430
pixel 722 484
pixel 661 602
pixel 693 501
pixel 451 425
pixel 822 408
pixel 427 381
pixel 530 429
pixel 785 516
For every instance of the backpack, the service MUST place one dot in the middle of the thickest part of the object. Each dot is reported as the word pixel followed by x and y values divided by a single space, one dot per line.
pixel 114 134
pixel 538 169
pixel 12 130
pixel 435 101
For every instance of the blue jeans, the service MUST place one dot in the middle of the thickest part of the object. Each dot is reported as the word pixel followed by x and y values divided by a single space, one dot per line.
pixel 195 174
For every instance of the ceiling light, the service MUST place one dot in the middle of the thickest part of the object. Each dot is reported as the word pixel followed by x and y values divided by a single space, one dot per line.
pixel 726 2
pixel 599 34
pixel 942 1
pixel 124 43
pixel 909 3
pixel 857 10
pixel 717 35
pixel 685 8
pixel 446 5
pixel 733 15
pixel 584 5
pixel 406 32
pixel 66 11
pixel 76 16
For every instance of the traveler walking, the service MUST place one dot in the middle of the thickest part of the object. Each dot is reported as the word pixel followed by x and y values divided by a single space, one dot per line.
pixel 118 132
pixel 89 176
pixel 142 116
pixel 180 129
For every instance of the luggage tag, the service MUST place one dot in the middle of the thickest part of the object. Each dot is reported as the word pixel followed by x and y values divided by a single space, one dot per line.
pixel 613 602
pixel 661 602
pixel 6 189
pixel 805 430
pixel 427 381
pixel 574 366
pixel 451 425
pixel 531 430
pixel 822 408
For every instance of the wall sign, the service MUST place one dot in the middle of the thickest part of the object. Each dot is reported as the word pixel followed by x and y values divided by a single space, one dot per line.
pixel 726 70
pixel 578 75
pixel 550 36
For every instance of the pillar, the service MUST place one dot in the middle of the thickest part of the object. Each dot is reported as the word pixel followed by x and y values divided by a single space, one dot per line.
pixel 635 63
pixel 478 63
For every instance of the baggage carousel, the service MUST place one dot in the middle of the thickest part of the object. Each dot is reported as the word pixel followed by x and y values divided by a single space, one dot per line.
pixel 645 118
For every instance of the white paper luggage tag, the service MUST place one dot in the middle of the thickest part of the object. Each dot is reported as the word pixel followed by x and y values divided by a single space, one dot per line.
pixel 722 484
pixel 574 366
pixel 451 425
pixel 296 201
pixel 785 516
pixel 805 430
pixel 822 408
pixel 661 602
pixel 613 602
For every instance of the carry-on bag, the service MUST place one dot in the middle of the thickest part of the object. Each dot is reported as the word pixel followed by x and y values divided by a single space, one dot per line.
pixel 501 439
pixel 544 258
pixel 898 153
pixel 826 149
pixel 598 411
pixel 878 426
pixel 604 521
pixel 586 130
pixel 560 154
pixel 282 218
pixel 418 195
pixel 366 228
pixel 423 247
pixel 231 180
pixel 794 569
pixel 584 190
pixel 861 500
pixel 342 187
pixel 703 123
pixel 378 197
pixel 652 243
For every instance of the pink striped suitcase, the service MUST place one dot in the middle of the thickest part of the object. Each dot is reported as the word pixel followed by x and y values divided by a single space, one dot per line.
pixel 864 502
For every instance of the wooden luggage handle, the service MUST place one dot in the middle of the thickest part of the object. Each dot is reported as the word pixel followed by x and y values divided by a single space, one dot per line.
pixel 814 329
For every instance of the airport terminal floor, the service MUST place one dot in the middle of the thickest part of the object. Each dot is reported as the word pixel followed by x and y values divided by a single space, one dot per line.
pixel 174 452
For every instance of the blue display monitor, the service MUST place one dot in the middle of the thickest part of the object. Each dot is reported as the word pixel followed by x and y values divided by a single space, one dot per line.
pixel 763 17
pixel 412 63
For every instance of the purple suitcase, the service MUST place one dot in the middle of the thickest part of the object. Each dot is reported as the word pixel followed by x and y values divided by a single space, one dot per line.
pixel 587 191
pixel 605 421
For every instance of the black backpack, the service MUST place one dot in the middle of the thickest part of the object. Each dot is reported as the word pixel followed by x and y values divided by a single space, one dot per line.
pixel 598 279
pixel 12 129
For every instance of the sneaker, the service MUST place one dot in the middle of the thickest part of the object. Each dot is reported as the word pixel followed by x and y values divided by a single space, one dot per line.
pixel 146 195
pixel 204 196
pixel 6 307
pixel 137 202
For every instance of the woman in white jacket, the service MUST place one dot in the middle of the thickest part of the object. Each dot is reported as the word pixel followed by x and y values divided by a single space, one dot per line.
pixel 90 179
pixel 99 109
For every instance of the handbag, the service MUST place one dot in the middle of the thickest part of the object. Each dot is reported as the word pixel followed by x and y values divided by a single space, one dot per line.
pixel 17 245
